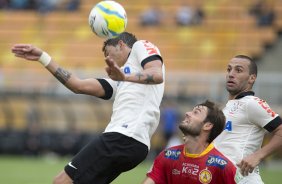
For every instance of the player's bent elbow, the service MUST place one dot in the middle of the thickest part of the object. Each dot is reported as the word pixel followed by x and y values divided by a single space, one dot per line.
pixel 158 79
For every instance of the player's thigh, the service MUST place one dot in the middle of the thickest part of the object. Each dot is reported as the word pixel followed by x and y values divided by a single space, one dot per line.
pixel 110 153
pixel 129 153
pixel 126 154
pixel 89 161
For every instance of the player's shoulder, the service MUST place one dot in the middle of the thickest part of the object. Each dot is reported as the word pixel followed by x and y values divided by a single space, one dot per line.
pixel 251 101
pixel 137 45
pixel 217 152
pixel 142 43
pixel 254 101
pixel 253 98
pixel 216 155
pixel 176 147
pixel 249 98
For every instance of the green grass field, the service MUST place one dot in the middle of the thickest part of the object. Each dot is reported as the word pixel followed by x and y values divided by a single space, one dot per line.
pixel 24 170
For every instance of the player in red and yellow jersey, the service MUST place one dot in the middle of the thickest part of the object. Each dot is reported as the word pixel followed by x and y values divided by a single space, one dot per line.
pixel 197 161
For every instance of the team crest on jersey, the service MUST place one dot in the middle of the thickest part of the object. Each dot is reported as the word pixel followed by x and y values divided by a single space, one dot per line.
pixel 235 107
pixel 205 176
pixel 172 154
pixel 216 161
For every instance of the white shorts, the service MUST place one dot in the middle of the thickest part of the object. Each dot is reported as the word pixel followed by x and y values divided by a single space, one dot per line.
pixel 253 178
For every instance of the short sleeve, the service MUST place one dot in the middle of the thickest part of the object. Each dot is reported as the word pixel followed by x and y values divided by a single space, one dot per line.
pixel 143 49
pixel 110 88
pixel 157 171
pixel 259 112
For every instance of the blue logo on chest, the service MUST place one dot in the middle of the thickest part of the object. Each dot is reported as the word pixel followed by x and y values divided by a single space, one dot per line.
pixel 228 126
pixel 216 161
pixel 172 154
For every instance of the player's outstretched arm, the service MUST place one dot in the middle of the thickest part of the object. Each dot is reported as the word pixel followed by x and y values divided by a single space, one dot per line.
pixel 152 73
pixel 72 82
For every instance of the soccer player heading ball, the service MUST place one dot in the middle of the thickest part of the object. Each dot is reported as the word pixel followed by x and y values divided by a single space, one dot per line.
pixel 136 83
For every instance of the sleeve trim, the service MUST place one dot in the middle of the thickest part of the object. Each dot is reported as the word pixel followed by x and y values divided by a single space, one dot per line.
pixel 151 58
pixel 272 125
pixel 107 88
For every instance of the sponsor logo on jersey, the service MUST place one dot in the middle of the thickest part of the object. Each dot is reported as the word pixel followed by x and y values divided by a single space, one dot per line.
pixel 172 154
pixel 175 172
pixel 70 164
pixel 216 161
pixel 265 106
pixel 190 169
pixel 126 70
pixel 151 49
pixel 228 126
pixel 205 176
pixel 124 125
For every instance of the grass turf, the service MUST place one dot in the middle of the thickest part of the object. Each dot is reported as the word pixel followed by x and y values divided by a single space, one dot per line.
pixel 41 170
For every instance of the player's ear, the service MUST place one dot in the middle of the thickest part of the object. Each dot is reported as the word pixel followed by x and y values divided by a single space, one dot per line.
pixel 252 78
pixel 207 126
pixel 120 43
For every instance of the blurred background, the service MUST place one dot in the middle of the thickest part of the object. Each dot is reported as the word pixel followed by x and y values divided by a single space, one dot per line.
pixel 39 116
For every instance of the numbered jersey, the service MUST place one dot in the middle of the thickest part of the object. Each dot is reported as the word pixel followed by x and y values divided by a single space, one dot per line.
pixel 174 166
pixel 136 110
pixel 247 120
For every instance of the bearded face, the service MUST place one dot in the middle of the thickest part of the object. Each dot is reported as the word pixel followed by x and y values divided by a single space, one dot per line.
pixel 194 121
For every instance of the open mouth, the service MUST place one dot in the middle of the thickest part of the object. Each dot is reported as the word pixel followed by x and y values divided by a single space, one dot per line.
pixel 230 82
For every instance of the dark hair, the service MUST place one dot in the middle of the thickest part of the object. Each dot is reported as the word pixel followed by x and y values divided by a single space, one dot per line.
pixel 253 69
pixel 128 38
pixel 216 117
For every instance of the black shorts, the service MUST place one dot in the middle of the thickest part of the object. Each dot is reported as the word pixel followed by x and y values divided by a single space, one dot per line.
pixel 105 158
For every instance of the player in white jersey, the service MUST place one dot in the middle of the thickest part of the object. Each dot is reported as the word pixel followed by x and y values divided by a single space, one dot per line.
pixel 248 119
pixel 136 84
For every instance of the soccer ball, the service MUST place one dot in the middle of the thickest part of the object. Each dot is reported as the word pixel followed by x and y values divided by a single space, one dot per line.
pixel 107 19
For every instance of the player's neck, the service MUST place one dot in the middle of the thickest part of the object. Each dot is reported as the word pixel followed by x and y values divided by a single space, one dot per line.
pixel 233 96
pixel 195 145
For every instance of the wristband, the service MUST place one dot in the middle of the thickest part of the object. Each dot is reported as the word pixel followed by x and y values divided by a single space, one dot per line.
pixel 44 59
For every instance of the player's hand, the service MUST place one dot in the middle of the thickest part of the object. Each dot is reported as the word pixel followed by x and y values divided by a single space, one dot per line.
pixel 248 164
pixel 27 51
pixel 113 70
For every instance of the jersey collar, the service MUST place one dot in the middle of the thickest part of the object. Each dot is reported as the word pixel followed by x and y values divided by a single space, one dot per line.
pixel 210 147
pixel 243 94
